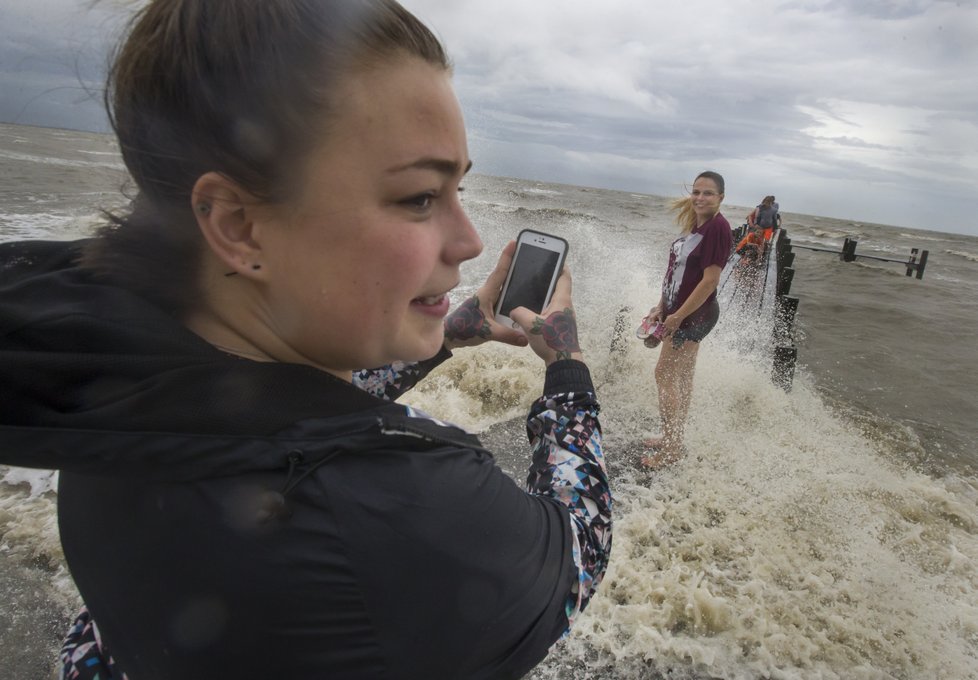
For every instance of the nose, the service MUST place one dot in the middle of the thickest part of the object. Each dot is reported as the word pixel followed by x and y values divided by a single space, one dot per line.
pixel 463 242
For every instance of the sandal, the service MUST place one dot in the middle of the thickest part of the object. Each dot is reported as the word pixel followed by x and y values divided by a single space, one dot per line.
pixel 645 328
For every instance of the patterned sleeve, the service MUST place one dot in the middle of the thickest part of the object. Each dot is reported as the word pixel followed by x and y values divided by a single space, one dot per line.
pixel 83 656
pixel 568 466
pixel 390 382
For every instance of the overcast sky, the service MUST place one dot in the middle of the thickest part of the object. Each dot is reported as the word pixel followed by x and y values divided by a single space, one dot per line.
pixel 859 109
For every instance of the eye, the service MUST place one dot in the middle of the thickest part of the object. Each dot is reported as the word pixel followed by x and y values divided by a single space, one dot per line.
pixel 420 202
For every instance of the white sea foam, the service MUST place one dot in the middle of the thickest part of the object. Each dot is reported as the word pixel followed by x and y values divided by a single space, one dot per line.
pixel 921 237
pixel 784 546
pixel 791 543
pixel 63 162
pixel 39 481
pixel 51 225
pixel 28 520
pixel 827 233
pixel 971 257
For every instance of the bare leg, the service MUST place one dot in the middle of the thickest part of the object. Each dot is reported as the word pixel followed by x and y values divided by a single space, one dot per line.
pixel 674 380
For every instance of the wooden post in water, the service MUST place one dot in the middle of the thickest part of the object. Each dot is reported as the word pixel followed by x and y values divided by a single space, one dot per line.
pixel 785 258
pixel 914 266
pixel 785 309
pixel 786 276
pixel 785 353
pixel 848 253
pixel 784 244
pixel 785 359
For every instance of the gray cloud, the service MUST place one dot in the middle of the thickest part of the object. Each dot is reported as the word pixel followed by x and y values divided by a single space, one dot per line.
pixel 862 109
pixel 53 55
pixel 851 109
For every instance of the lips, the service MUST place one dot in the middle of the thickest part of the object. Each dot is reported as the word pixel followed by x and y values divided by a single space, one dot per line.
pixel 430 300
pixel 435 306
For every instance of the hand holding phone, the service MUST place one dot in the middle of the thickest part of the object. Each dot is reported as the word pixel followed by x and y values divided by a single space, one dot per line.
pixel 553 332
pixel 551 329
pixel 473 322
pixel 532 277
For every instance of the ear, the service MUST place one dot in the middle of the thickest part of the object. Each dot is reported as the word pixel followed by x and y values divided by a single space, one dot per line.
pixel 226 214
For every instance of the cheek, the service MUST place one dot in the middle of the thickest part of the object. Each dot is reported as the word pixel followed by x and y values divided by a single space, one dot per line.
pixel 405 264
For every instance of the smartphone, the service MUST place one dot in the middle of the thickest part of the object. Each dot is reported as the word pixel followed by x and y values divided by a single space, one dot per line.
pixel 533 273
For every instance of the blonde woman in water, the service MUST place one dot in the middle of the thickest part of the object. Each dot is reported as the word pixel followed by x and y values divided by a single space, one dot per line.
pixel 688 309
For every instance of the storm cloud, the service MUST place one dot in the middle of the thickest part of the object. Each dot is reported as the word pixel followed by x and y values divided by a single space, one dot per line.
pixel 858 109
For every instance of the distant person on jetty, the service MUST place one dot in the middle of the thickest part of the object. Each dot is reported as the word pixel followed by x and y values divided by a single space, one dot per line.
pixel 237 499
pixel 688 308
pixel 747 266
pixel 751 250
pixel 766 215
pixel 752 245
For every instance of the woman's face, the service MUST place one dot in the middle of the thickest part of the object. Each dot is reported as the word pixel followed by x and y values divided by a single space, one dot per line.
pixel 358 275
pixel 706 198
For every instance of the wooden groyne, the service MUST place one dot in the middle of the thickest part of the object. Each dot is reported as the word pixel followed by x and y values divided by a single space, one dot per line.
pixel 915 264
pixel 784 349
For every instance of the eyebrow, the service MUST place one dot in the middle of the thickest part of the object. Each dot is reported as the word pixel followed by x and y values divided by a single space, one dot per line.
pixel 440 165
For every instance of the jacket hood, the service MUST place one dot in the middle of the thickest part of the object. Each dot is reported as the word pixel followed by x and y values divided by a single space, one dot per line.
pixel 94 378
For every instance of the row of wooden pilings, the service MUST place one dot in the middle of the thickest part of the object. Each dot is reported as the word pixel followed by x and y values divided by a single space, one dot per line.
pixel 785 354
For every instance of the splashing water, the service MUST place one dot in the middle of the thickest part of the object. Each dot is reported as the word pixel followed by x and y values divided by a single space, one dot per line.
pixel 794 541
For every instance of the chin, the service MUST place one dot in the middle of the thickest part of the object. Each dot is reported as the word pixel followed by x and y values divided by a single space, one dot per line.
pixel 421 348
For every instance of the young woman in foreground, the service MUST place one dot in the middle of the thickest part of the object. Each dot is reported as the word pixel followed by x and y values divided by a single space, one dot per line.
pixel 688 309
pixel 238 499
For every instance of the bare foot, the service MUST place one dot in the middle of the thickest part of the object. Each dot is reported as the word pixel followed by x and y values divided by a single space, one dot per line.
pixel 659 458
pixel 654 442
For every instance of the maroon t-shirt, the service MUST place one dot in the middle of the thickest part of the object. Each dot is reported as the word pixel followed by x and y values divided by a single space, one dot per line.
pixel 689 257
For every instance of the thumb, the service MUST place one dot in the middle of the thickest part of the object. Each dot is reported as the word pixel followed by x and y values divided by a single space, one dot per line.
pixel 508 336
pixel 498 276
pixel 524 317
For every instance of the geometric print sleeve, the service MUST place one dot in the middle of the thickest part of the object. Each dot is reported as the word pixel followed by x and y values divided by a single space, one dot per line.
pixel 83 656
pixel 569 466
pixel 390 382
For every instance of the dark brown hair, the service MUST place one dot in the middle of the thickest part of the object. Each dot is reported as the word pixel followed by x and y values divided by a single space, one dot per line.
pixel 239 87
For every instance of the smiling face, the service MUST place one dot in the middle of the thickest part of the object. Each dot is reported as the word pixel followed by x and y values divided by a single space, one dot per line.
pixel 358 273
pixel 706 199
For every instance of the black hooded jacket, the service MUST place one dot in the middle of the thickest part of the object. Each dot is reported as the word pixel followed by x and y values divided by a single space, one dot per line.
pixel 225 518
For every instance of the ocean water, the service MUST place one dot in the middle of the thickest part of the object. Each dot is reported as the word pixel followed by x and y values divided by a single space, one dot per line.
pixel 830 531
